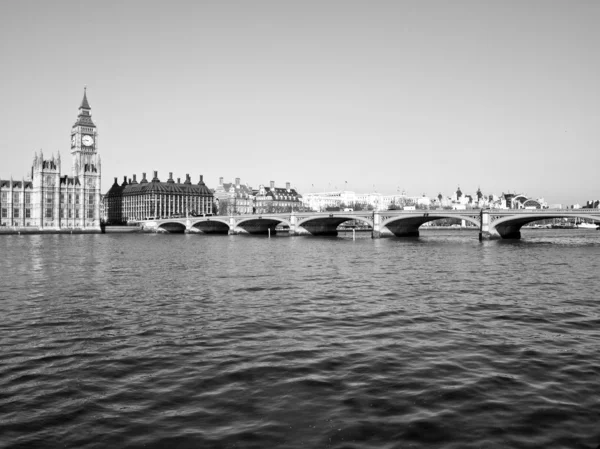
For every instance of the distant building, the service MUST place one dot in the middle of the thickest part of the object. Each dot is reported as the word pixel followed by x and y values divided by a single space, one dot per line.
pixel 361 201
pixel 276 199
pixel 324 200
pixel 51 200
pixel 234 198
pixel 521 201
pixel 132 201
pixel 458 195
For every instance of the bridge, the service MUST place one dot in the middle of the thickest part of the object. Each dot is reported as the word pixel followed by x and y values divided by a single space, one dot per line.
pixel 492 223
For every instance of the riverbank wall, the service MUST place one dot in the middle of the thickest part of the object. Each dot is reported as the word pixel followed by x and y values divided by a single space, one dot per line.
pixel 34 231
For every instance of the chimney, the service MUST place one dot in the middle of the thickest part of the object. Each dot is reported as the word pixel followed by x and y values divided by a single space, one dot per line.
pixel 287 186
pixel 178 180
pixel 144 180
pixel 187 179
pixel 272 184
pixel 124 180
pixel 129 180
pixel 155 179
pixel 237 182
pixel 221 181
pixel 170 180
pixel 201 183
pixel 116 180
pixel 134 180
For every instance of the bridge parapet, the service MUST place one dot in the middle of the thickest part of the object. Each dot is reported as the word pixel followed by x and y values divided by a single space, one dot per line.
pixel 492 223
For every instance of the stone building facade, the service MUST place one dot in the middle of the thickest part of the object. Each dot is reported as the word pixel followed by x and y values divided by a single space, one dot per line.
pixel 143 200
pixel 276 199
pixel 51 200
pixel 234 198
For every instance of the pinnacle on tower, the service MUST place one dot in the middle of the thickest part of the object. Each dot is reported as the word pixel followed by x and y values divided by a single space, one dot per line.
pixel 84 118
pixel 84 102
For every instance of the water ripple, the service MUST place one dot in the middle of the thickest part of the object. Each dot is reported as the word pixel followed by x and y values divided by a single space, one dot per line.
pixel 195 341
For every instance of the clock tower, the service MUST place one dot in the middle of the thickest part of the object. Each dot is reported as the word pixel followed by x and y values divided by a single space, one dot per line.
pixel 85 167
pixel 84 140
pixel 58 201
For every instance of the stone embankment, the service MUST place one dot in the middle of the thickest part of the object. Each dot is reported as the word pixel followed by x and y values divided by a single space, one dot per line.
pixel 34 230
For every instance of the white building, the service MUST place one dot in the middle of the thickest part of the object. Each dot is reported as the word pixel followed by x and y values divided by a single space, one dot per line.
pixel 348 199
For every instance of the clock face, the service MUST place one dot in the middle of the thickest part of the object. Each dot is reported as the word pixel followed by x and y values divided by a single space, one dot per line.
pixel 87 140
pixel 73 140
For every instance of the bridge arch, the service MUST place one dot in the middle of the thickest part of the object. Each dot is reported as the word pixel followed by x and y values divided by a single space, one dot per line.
pixel 509 227
pixel 408 225
pixel 172 227
pixel 261 224
pixel 210 225
pixel 327 225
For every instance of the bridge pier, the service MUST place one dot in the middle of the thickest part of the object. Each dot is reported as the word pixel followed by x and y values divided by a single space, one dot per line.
pixel 502 231
pixel 376 233
pixel 231 226
pixel 489 236
pixel 293 221
pixel 485 232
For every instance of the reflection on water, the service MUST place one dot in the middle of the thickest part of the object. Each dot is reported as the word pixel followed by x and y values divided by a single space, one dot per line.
pixel 130 340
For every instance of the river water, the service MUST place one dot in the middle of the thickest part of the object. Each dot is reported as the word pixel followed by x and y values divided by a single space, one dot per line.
pixel 191 341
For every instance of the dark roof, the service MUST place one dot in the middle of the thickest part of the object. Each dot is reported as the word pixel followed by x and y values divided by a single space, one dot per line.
pixel 280 193
pixel 84 120
pixel 155 186
pixel 16 184
pixel 84 102
pixel 70 180
pixel 225 189
pixel 115 189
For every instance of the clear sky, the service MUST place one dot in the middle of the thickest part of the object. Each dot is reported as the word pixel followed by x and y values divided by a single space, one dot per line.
pixel 421 96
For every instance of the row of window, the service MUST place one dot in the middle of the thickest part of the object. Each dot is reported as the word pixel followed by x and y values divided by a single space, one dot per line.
pixel 16 213
pixel 48 213
pixel 64 213
pixel 16 197
pixel 50 198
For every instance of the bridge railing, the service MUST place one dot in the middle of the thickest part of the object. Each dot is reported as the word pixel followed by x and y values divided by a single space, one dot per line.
pixel 541 211
pixel 396 212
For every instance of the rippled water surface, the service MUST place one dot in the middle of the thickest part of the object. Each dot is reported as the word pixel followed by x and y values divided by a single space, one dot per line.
pixel 187 341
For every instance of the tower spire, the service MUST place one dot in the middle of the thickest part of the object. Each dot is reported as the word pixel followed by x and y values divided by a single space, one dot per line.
pixel 84 118
pixel 84 102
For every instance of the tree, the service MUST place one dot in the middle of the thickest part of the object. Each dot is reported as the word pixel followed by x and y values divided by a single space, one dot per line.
pixel 223 207
pixel 361 206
